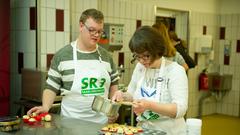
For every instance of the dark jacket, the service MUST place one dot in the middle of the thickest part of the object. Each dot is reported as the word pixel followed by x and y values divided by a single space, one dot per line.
pixel 188 59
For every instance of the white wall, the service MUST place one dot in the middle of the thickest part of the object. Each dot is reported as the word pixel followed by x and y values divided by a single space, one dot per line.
pixel 209 6
pixel 229 6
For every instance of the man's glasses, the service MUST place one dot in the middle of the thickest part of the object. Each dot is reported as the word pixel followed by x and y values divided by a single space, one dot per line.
pixel 92 31
pixel 144 57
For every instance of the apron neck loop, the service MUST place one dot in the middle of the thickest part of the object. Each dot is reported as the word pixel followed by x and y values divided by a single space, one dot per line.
pixel 100 56
pixel 74 45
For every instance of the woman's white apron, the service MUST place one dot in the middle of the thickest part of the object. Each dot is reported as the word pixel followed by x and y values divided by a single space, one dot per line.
pixel 151 120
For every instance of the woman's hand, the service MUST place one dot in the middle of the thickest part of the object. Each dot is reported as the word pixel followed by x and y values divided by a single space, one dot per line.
pixel 112 119
pixel 139 106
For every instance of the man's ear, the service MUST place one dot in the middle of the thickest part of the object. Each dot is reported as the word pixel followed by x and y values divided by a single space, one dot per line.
pixel 81 25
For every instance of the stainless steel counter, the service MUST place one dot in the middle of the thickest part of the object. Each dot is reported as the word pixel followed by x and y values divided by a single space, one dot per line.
pixel 58 126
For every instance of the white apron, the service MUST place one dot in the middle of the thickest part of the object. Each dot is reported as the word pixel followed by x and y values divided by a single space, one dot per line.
pixel 91 78
pixel 159 122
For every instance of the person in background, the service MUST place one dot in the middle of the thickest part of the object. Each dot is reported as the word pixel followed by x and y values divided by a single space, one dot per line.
pixel 158 87
pixel 181 47
pixel 171 52
pixel 81 71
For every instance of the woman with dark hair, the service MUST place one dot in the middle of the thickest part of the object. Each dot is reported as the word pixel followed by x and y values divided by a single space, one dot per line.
pixel 159 87
pixel 181 46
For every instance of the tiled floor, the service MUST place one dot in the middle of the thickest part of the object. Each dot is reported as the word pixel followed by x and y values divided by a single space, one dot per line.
pixel 220 125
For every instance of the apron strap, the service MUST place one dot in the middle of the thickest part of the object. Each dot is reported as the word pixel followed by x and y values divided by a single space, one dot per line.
pixel 74 45
pixel 160 78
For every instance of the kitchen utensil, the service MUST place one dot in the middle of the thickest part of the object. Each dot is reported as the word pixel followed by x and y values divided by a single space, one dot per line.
pixel 105 106
pixel 9 123
pixel 125 103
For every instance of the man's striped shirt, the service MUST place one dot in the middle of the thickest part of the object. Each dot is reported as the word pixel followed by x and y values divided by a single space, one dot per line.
pixel 61 72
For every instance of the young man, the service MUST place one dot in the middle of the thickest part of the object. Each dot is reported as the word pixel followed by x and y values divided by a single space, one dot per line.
pixel 81 71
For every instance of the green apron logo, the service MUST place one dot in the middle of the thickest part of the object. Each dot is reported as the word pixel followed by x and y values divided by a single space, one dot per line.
pixel 148 115
pixel 93 86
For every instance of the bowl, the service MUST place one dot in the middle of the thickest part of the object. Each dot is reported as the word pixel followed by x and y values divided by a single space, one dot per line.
pixel 9 123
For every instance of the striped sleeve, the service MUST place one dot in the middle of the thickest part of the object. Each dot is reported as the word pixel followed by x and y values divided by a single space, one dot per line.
pixel 114 74
pixel 54 76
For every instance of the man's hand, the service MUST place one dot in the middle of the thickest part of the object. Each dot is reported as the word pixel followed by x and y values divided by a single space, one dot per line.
pixel 117 96
pixel 37 110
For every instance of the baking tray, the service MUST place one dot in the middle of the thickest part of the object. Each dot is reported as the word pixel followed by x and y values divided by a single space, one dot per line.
pixel 145 132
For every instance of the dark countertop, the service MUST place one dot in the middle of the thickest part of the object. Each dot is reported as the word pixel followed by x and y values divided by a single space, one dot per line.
pixel 58 126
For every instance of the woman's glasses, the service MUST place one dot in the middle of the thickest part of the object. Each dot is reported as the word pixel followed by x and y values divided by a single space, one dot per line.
pixel 93 32
pixel 143 57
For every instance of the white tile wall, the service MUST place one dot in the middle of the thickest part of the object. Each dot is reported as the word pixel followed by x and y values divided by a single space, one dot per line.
pixel 21 40
pixel 51 19
pixel 13 19
pixel 43 60
pixel 110 4
pixel 14 65
pixel 60 4
pixel 66 4
pixel 51 40
pixel 29 60
pixel 22 17
pixel 50 3
pixel 116 7
pixel 232 98
pixel 43 42
pixel 31 45
pixel 139 11
pixel 59 40
pixel 67 38
pixel 66 21
pixel 122 9
pixel 25 3
pixel 130 10
pixel 43 22
pixel 43 3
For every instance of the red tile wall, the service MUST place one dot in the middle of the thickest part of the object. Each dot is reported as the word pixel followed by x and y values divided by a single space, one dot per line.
pixel 238 46
pixel 49 58
pixel 226 59
pixel 5 58
pixel 120 58
pixel 138 23
pixel 204 30
pixel 33 19
pixel 20 62
pixel 59 20
pixel 222 33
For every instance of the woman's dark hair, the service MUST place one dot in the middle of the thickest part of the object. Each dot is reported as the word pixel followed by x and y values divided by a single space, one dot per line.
pixel 147 39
